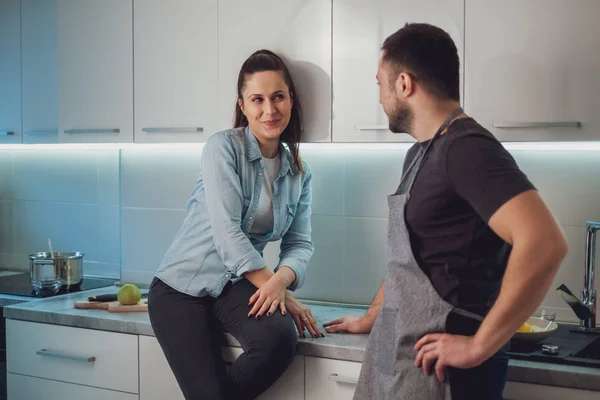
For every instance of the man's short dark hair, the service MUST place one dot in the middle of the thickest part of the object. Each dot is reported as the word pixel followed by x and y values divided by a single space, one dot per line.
pixel 429 55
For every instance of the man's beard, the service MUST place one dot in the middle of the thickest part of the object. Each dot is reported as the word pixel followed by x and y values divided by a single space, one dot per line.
pixel 401 119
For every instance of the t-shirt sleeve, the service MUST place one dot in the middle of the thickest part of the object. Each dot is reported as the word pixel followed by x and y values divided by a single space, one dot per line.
pixel 484 173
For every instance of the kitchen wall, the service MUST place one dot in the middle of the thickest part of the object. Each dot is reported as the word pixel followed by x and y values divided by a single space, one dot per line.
pixel 69 196
pixel 73 197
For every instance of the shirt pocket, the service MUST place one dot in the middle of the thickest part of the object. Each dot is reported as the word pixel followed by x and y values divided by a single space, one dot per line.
pixel 289 217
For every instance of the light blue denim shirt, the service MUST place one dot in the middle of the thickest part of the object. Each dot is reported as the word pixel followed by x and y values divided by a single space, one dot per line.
pixel 214 246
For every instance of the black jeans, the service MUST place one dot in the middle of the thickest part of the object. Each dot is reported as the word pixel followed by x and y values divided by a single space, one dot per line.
pixel 485 382
pixel 189 330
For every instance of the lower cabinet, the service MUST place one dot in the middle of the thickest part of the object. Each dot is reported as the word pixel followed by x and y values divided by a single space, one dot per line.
pixel 330 379
pixel 21 387
pixel 529 391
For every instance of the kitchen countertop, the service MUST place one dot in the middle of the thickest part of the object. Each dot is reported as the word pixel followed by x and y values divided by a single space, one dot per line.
pixel 59 311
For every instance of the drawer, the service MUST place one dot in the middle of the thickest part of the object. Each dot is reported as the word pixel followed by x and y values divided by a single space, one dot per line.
pixel 27 387
pixel 330 379
pixel 106 360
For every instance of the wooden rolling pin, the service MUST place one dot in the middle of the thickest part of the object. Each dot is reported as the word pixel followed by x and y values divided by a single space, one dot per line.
pixel 111 306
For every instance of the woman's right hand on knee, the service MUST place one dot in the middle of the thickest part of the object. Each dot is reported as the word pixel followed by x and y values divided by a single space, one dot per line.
pixel 269 297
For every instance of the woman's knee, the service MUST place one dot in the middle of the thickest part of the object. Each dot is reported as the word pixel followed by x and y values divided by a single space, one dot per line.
pixel 279 339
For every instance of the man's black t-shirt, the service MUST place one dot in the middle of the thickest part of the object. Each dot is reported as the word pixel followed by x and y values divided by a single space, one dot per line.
pixel 466 176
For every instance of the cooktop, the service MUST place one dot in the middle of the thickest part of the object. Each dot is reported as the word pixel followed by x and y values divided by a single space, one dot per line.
pixel 20 285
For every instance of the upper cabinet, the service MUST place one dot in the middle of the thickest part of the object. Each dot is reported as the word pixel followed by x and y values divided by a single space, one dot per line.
pixel 39 71
pixel 532 68
pixel 359 30
pixel 175 70
pixel 10 71
pixel 95 71
pixel 299 31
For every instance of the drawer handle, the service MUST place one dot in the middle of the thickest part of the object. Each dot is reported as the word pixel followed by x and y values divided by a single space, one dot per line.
pixel 534 125
pixel 52 354
pixel 342 379
pixel 7 133
pixel 85 131
pixel 371 127
pixel 173 130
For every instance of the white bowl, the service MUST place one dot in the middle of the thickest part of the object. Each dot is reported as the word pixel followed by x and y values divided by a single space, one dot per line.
pixel 539 331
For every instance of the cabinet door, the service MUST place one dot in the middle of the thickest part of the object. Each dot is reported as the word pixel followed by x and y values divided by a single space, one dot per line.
pixel 333 379
pixel 10 71
pixel 157 381
pixel 297 30
pixel 175 70
pixel 532 68
pixel 359 30
pixel 40 71
pixel 95 71
pixel 528 391
pixel 21 387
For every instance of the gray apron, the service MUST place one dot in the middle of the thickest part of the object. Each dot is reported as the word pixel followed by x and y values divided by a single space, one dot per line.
pixel 411 309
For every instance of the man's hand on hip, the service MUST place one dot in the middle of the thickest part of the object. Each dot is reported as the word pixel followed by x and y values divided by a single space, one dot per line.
pixel 446 350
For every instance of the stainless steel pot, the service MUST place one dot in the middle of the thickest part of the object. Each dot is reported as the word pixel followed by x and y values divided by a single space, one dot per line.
pixel 68 265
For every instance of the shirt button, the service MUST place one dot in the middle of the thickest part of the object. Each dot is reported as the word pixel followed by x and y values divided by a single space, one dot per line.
pixel 257 196
pixel 227 276
pixel 251 218
pixel 260 174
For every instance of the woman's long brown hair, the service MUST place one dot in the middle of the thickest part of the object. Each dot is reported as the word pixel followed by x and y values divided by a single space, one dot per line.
pixel 266 60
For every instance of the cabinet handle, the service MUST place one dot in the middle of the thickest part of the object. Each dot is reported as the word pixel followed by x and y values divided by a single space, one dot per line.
pixel 41 132
pixel 77 131
pixel 173 130
pixel 342 379
pixel 52 354
pixel 6 133
pixel 534 125
pixel 371 127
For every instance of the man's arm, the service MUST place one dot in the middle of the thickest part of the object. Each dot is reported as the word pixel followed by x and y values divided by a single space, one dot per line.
pixel 362 324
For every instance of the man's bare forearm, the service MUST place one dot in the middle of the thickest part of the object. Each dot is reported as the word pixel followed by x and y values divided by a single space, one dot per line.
pixel 376 305
pixel 527 279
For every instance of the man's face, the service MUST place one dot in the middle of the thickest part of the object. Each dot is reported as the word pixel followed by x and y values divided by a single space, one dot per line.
pixel 399 113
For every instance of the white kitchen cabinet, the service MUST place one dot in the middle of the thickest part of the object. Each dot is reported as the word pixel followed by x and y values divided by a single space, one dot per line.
pixel 359 30
pixel 22 387
pixel 299 31
pixel 157 381
pixel 95 71
pixel 105 360
pixel 10 71
pixel 532 65
pixel 40 70
pixel 175 70
pixel 330 379
pixel 529 391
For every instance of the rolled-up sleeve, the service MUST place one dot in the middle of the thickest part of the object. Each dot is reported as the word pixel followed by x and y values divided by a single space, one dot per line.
pixel 223 195
pixel 296 245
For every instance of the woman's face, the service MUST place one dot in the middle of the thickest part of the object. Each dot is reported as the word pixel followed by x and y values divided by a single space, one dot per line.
pixel 267 104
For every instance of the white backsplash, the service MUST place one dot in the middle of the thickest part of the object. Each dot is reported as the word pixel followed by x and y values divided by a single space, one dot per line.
pixel 74 198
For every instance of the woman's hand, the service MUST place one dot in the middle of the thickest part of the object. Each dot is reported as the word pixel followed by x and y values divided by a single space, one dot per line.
pixel 302 317
pixel 269 297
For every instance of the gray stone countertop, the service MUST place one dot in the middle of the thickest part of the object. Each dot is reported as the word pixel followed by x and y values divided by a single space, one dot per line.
pixel 60 311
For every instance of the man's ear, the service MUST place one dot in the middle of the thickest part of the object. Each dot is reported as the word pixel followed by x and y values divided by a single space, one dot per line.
pixel 405 85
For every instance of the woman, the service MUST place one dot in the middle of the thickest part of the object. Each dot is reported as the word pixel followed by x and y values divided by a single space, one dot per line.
pixel 251 190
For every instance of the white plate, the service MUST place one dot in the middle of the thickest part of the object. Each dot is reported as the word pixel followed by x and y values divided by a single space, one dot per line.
pixel 538 325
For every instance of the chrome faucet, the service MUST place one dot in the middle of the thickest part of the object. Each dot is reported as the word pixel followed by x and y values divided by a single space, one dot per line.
pixel 585 309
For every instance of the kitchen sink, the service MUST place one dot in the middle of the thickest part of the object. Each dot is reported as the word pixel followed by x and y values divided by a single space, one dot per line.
pixel 574 348
pixel 591 351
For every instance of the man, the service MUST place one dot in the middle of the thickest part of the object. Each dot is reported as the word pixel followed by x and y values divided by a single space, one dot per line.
pixel 473 248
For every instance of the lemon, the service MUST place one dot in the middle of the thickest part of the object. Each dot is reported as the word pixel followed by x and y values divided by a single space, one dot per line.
pixel 129 294
pixel 524 328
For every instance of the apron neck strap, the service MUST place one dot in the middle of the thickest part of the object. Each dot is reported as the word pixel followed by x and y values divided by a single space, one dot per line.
pixel 411 173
